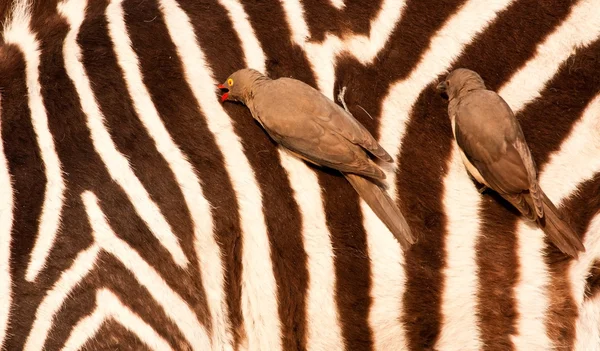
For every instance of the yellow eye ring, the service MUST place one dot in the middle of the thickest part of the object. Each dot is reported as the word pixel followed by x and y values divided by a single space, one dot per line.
pixel 230 82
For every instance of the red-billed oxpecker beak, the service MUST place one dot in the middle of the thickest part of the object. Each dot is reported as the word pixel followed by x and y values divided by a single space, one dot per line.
pixel 225 94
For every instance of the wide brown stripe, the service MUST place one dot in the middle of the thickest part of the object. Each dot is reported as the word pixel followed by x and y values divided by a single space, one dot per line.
pixel 284 59
pixel 132 140
pixel 29 182
pixel 163 76
pixel 354 18
pixel 281 212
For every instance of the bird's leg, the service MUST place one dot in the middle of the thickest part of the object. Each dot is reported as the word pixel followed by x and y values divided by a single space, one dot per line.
pixel 341 97
pixel 482 188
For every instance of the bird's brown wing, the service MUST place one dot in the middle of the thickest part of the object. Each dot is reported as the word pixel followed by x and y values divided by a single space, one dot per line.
pixel 315 143
pixel 487 137
pixel 331 116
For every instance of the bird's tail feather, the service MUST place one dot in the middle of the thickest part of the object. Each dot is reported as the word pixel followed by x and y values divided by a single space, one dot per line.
pixel 558 230
pixel 384 207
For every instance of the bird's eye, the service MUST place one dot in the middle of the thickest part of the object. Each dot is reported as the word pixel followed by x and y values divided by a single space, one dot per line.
pixel 230 82
pixel 447 83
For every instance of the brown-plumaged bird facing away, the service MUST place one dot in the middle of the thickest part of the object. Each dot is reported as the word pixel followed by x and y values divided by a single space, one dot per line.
pixel 495 153
pixel 314 128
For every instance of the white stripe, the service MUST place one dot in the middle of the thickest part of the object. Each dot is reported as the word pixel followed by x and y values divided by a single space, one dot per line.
pixel 110 307
pixel 259 297
pixel 115 162
pixel 472 18
pixel 579 29
pixel 338 4
pixel 17 32
pixel 55 298
pixel 459 330
pixel 587 326
pixel 171 303
pixel 322 56
pixel 207 249
pixel 322 319
pixel 253 53
pixel 6 221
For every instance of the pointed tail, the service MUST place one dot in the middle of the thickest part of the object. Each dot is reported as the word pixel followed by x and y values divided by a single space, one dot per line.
pixel 384 207
pixel 558 230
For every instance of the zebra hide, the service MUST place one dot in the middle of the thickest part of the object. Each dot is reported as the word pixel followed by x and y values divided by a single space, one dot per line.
pixel 138 213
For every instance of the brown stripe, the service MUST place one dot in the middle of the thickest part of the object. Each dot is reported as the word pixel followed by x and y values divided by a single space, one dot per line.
pixel 284 59
pixel 163 76
pixel 28 180
pixel 425 260
pixel 132 140
pixel 281 212
pixel 352 265
pixel 354 18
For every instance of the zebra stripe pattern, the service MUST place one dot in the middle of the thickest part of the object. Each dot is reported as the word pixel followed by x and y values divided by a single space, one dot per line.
pixel 138 213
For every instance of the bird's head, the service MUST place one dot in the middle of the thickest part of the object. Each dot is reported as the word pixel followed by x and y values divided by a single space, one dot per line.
pixel 459 81
pixel 238 85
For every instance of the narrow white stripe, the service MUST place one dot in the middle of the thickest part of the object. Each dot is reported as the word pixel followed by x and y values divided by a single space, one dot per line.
pixel 17 32
pixel 171 303
pixel 253 53
pixel 388 280
pixel 109 306
pixel 207 249
pixel 338 4
pixel 6 221
pixel 55 298
pixel 322 56
pixel 324 331
pixel 579 29
pixel 259 298
pixel 116 163
pixel 472 18
pixel 459 330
